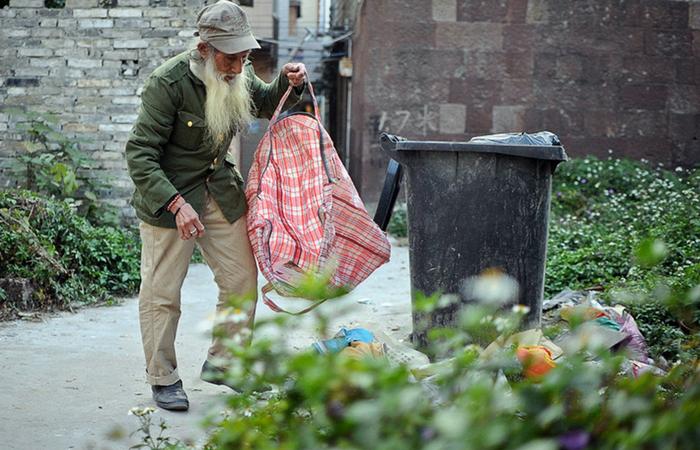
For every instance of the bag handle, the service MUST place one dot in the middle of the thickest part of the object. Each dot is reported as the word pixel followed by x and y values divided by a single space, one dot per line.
pixel 320 135
pixel 269 287
pixel 283 100
pixel 273 120
pixel 313 97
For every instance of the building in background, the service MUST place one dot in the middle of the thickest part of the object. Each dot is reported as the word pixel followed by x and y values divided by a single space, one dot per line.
pixel 294 31
pixel 85 61
pixel 337 71
pixel 261 17
pixel 620 77
pixel 301 30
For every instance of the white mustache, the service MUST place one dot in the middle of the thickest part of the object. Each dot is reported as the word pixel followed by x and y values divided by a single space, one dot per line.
pixel 228 102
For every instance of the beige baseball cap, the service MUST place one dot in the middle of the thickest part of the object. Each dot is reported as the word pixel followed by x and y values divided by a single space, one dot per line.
pixel 225 26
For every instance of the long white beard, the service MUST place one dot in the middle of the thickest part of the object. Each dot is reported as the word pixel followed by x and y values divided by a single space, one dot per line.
pixel 228 103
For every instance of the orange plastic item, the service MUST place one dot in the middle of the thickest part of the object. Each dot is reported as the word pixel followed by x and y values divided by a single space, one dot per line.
pixel 359 350
pixel 536 360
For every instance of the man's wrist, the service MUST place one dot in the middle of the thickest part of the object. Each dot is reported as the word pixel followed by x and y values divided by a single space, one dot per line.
pixel 176 203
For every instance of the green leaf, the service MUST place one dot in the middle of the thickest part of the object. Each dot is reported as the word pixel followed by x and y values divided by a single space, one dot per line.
pixel 651 252
pixel 32 147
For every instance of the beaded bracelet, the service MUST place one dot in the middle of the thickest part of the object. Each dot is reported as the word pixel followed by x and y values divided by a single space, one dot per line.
pixel 172 202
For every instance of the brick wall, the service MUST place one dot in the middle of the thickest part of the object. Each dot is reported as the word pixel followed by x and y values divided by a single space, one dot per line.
pixel 618 75
pixel 87 64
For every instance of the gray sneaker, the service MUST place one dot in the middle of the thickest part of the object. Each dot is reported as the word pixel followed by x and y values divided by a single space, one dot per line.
pixel 171 397
pixel 217 375
pixel 214 375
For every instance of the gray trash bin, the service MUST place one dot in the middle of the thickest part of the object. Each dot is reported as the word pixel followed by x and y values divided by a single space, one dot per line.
pixel 472 207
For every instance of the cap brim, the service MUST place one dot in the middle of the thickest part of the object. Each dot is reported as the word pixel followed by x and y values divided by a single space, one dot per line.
pixel 231 45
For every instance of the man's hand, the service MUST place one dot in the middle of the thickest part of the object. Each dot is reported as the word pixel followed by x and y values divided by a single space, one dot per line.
pixel 295 73
pixel 187 220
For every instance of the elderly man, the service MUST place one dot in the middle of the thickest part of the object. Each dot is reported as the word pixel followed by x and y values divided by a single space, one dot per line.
pixel 188 190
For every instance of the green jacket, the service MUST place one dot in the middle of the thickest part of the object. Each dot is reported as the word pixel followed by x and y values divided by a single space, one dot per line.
pixel 167 152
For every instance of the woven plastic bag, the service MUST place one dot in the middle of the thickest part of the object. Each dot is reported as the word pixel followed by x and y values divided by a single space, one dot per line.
pixel 305 215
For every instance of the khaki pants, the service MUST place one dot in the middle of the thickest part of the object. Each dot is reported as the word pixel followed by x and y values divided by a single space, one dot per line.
pixel 164 262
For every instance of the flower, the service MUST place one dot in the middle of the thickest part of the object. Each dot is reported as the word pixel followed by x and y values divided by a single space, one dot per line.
pixel 140 412
pixel 521 309
pixel 574 440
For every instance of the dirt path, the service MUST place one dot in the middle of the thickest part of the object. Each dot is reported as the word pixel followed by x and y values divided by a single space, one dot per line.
pixel 69 381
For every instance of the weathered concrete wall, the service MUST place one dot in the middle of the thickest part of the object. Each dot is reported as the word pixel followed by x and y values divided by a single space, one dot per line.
pixel 604 75
pixel 87 64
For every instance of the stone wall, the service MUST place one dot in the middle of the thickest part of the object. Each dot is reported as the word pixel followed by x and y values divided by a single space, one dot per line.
pixel 618 75
pixel 86 64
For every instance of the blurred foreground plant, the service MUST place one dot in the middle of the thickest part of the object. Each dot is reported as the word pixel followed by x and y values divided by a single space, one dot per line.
pixel 471 400
pixel 148 440
pixel 54 165
pixel 68 260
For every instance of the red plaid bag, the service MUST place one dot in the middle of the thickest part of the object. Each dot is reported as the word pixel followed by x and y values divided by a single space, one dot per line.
pixel 304 214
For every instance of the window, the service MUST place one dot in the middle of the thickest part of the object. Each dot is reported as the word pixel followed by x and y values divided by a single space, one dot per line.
pixel 55 4
pixel 246 3
pixel 130 68
pixel 295 5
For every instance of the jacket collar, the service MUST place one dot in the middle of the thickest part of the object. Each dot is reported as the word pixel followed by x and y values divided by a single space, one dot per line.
pixel 192 71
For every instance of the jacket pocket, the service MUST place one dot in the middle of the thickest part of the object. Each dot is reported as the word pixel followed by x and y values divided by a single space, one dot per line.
pixel 188 131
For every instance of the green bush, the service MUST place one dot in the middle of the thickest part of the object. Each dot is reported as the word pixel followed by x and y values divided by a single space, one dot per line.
pixel 398 224
pixel 53 165
pixel 372 405
pixel 67 259
pixel 633 230
pixel 603 210
pixel 471 402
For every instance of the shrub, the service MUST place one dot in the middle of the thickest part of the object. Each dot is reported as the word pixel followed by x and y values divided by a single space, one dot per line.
pixel 53 165
pixel 603 210
pixel 398 224
pixel 67 258
pixel 471 402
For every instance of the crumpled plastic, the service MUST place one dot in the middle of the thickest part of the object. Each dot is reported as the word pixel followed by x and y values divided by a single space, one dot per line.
pixel 540 138
pixel 343 338
pixel 608 326
pixel 637 346
pixel 582 312
pixel 636 369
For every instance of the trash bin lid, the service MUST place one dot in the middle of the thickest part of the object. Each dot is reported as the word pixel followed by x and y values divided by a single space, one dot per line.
pixel 390 142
